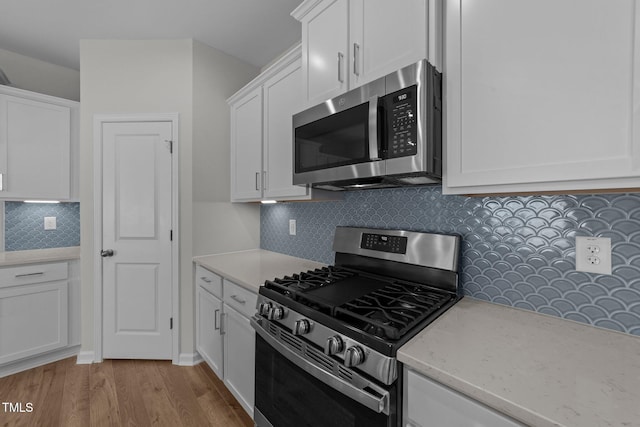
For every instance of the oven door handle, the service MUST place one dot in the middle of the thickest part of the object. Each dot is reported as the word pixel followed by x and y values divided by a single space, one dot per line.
pixel 373 129
pixel 378 403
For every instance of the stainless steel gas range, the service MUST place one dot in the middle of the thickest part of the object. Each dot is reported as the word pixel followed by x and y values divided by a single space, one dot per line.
pixel 326 340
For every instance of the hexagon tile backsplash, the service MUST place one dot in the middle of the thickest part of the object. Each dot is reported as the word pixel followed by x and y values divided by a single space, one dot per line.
pixel 24 225
pixel 518 251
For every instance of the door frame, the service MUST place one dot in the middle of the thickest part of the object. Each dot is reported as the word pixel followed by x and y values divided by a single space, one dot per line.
pixel 98 121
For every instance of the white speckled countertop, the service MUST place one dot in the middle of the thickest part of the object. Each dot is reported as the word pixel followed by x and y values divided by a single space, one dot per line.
pixel 251 268
pixel 38 255
pixel 538 369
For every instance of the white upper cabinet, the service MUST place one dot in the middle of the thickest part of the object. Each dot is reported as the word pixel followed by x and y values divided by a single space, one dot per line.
pixel 246 146
pixel 347 43
pixel 38 134
pixel 541 95
pixel 281 100
pixel 262 135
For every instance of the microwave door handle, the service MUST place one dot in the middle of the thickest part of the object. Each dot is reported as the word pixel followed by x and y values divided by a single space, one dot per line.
pixel 373 129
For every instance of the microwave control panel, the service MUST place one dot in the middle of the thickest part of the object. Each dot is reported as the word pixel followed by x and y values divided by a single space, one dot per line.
pixel 402 122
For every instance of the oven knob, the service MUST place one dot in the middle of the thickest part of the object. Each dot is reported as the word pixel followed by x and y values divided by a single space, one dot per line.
pixel 263 308
pixel 275 313
pixel 334 345
pixel 301 327
pixel 354 356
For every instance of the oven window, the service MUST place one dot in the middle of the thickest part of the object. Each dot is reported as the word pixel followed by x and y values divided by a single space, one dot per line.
pixel 338 140
pixel 289 397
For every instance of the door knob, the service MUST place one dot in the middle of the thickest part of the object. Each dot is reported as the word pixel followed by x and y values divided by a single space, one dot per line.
pixel 106 252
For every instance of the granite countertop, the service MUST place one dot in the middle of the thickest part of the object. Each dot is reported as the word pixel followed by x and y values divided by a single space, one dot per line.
pixel 38 256
pixel 538 369
pixel 251 268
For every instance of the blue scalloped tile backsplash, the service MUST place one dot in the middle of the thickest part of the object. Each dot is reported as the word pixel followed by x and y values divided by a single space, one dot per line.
pixel 518 251
pixel 24 225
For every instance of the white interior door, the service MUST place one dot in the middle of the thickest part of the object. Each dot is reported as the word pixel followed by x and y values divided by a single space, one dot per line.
pixel 136 214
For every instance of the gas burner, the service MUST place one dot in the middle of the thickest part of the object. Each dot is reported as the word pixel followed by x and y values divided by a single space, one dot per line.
pixel 393 310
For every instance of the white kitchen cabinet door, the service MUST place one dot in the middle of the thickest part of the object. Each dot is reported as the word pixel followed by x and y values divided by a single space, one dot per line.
pixel 246 147
pixel 239 357
pixel 542 95
pixel 281 101
pixel 325 51
pixel 347 43
pixel 33 320
pixel 208 332
pixel 385 36
pixel 430 404
pixel 35 149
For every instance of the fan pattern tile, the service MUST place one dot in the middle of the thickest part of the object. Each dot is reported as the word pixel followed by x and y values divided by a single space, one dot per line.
pixel 518 251
pixel 24 225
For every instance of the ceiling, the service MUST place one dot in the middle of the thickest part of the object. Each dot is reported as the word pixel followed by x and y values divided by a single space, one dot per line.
pixel 255 31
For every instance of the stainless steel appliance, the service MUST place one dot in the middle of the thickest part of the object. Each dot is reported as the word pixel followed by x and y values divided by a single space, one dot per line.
pixel 387 133
pixel 326 340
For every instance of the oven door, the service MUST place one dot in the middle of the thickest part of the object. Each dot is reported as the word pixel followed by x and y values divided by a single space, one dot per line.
pixel 288 395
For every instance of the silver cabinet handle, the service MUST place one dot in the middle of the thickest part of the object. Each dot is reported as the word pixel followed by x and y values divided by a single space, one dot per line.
pixel 1 182
pixel 222 316
pixel 257 178
pixel 356 56
pixel 39 273
pixel 215 319
pixel 106 253
pixel 237 299
pixel 264 180
pixel 205 279
pixel 340 58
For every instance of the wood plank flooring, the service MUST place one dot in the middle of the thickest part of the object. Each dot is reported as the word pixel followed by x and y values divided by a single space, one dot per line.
pixel 119 393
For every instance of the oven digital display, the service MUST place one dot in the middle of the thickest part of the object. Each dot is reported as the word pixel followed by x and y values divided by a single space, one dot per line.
pixel 384 243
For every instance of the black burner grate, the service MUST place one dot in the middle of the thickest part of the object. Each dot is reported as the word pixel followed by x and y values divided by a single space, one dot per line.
pixel 391 311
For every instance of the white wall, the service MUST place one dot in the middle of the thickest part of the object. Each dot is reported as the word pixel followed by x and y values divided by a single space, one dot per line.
pixel 39 76
pixel 221 226
pixel 183 76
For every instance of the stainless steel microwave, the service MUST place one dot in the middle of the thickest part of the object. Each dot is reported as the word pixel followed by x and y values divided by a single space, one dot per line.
pixel 387 133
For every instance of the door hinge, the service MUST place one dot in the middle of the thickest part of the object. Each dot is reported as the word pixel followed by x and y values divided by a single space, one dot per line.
pixel 170 145
pixel 171 323
pixel 171 235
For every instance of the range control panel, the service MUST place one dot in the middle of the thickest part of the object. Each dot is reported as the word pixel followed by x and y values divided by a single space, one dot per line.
pixel 384 243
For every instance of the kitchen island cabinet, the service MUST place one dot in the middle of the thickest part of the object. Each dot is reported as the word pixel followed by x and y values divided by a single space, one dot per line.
pixel 541 96
pixel 39 308
pixel 537 369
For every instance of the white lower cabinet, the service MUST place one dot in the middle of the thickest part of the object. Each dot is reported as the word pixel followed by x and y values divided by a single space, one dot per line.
pixel 239 357
pixel 209 340
pixel 224 336
pixel 430 404
pixel 39 315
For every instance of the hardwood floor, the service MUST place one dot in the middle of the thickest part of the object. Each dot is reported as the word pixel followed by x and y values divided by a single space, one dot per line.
pixel 119 393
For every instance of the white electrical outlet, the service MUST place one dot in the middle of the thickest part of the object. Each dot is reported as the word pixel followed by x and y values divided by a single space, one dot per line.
pixel 593 254
pixel 50 223
pixel 292 227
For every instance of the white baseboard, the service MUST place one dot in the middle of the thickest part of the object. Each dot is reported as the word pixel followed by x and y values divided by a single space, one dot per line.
pixel 189 359
pixel 85 358
pixel 34 362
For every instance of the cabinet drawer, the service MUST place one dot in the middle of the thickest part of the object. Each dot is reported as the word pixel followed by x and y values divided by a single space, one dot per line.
pixel 240 298
pixel 208 280
pixel 33 273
